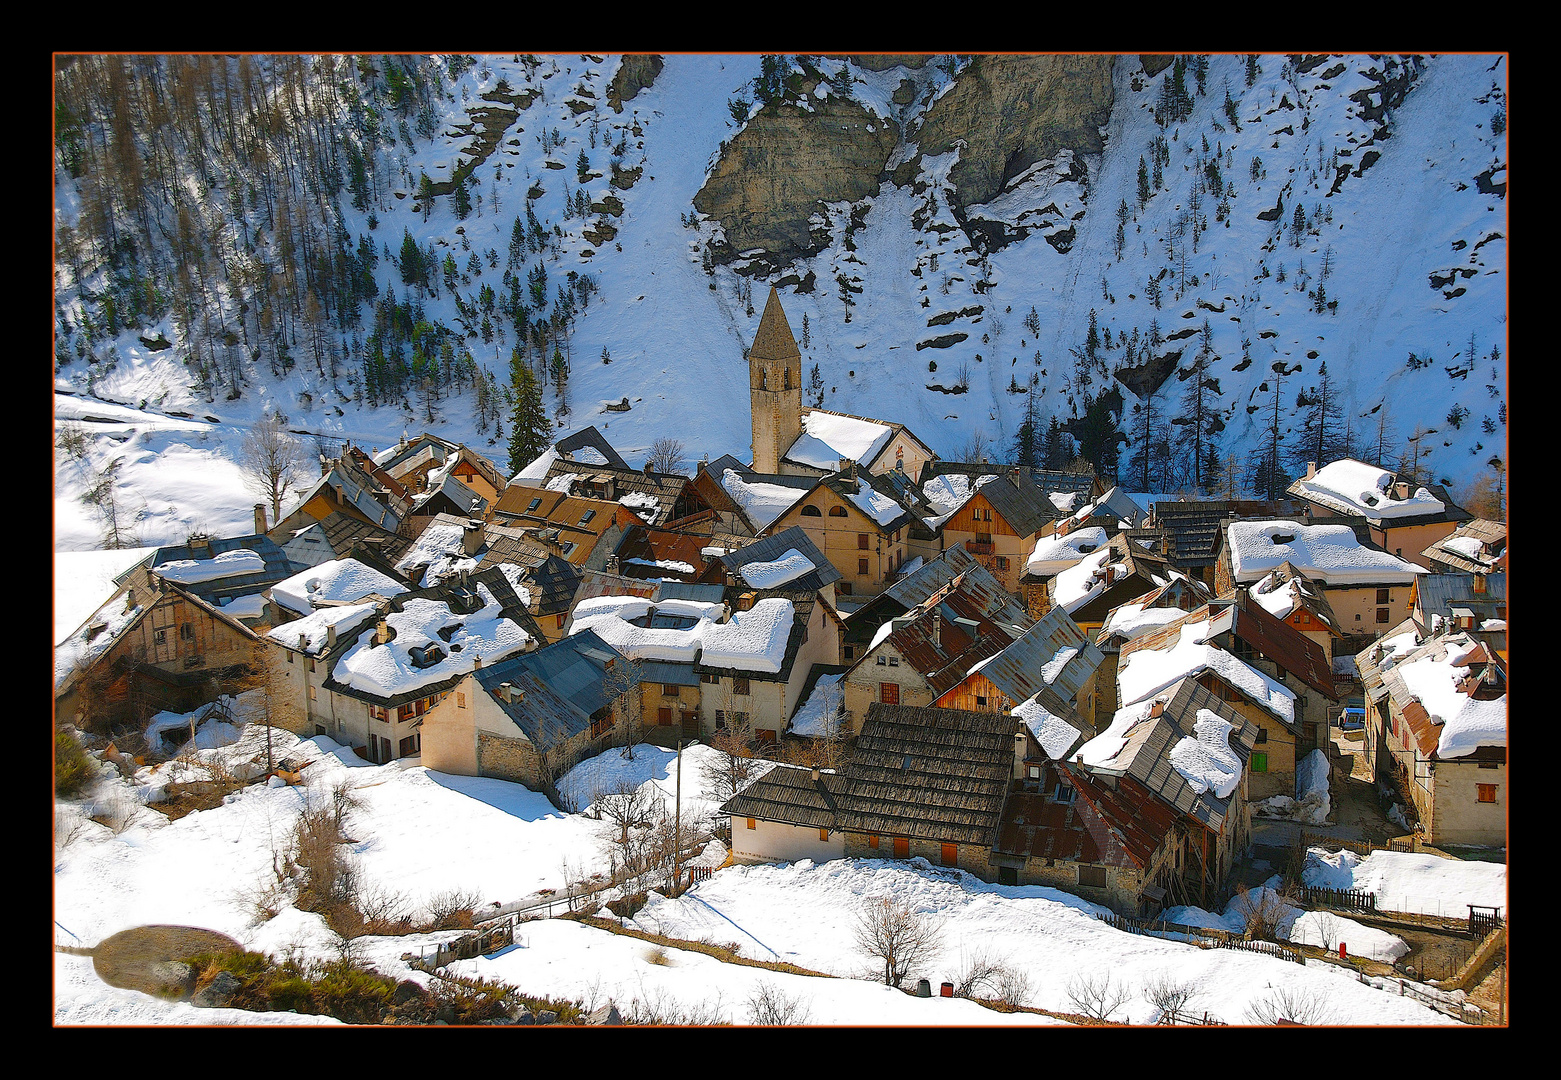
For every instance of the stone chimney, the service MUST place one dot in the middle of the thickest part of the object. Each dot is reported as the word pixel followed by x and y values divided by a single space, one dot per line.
pixel 303 642
pixel 648 470
pixel 330 637
pixel 1019 748
pixel 476 663
pixel 815 774
pixel 382 631
pixel 130 598
pixel 506 690
pixel 1311 470
pixel 1479 583
pixel 260 518
pixel 325 465
pixel 472 537
pixel 1401 489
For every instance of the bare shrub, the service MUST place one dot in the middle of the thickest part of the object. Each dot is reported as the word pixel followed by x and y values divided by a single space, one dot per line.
pixel 1263 912
pixel 892 931
pixel 1096 995
pixel 1168 993
pixel 659 1007
pixel 1328 926
pixel 69 825
pixel 452 909
pixel 1300 1005
pixel 657 955
pixel 976 980
pixel 770 1006
pixel 728 771
pixel 1011 986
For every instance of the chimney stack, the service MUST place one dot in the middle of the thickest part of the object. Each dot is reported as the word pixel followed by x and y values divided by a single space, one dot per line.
pixel 647 470
pixel 130 598
pixel 330 637
pixel 382 632
pixel 505 690
pixel 260 518
pixel 1311 469
pixel 476 663
pixel 815 774
pixel 472 536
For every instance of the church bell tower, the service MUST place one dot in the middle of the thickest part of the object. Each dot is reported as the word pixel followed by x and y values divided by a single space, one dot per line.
pixel 774 388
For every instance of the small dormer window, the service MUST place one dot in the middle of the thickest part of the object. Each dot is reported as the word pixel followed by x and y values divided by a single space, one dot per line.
pixel 427 656
pixel 534 504
pixel 586 518
pixel 1064 793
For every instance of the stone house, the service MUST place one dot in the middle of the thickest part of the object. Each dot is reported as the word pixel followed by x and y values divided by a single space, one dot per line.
pixel 1368 589
pixel 1400 519
pixel 1478 546
pixel 997 518
pixel 369 671
pixel 1436 731
pixel 528 718
pixel 858 524
pixel 915 658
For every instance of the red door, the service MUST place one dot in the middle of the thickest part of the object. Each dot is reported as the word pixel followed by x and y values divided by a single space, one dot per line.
pixel 902 847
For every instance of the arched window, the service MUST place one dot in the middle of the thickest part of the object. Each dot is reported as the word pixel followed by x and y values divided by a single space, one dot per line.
pixel 813 511
pixel 837 511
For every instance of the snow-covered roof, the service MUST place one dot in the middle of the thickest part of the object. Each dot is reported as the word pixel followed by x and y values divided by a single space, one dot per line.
pixel 1055 734
pixel 388 670
pixel 227 564
pixel 812 717
pixel 537 470
pixel 1079 584
pixel 311 634
pixel 334 582
pixel 85 645
pixel 948 492
pixel 612 619
pixel 1144 672
pixel 827 438
pixel 1329 552
pixel 754 640
pixel 1353 487
pixel 439 549
pixel 1135 620
pixel 1053 554
pixel 763 503
pixel 1205 759
pixel 874 504
pixel 769 575
pixel 1466 723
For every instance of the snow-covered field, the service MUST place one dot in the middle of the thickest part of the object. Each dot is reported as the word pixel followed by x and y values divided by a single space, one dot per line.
pixel 1402 881
pixel 419 833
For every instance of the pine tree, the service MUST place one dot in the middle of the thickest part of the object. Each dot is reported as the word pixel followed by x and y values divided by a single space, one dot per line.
pixel 529 427
pixel 1269 478
pixel 1143 183
pixel 1027 442
pixel 1200 419
pixel 1253 71
pixel 461 200
pixel 425 195
pixel 1318 439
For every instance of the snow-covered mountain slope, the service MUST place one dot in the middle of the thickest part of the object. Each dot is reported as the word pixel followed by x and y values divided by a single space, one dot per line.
pixel 1413 238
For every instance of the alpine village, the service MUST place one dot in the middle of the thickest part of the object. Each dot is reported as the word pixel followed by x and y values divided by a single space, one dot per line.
pixel 544 540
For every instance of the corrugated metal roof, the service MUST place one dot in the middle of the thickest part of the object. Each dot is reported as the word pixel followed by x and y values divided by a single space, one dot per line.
pixel 1016 671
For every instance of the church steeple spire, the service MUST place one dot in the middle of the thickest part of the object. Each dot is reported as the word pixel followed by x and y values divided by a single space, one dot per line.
pixel 775 387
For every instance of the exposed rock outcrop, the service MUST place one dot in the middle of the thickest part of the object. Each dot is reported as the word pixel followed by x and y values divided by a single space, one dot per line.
pixel 1012 111
pixel 784 164
pixel 634 74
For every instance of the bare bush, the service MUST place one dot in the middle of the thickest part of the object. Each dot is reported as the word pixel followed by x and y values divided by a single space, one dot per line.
pixel 1096 995
pixel 1011 986
pixel 1328 927
pixel 271 461
pixel 452 909
pixel 897 934
pixel 729 770
pixel 1168 993
pixel 976 980
pixel 1297 1004
pixel 69 825
pixel 1263 911
pixel 116 808
pixel 660 1007
pixel 770 1006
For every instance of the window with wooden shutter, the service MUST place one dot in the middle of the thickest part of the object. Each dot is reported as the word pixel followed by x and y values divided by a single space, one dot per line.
pixel 740 686
pixel 1487 792
pixel 1092 876
pixel 861 541
pixel 823 834
pixel 872 842
pixel 1382 596
pixel 664 717
pixel 861 568
pixel 1260 763
pixel 950 854
pixel 1382 614
pixel 752 824
pixel 902 847
pixel 889 693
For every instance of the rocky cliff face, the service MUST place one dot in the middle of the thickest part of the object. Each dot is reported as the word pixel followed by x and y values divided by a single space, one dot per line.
pixel 1012 111
pixel 635 73
pixel 1008 111
pixel 787 161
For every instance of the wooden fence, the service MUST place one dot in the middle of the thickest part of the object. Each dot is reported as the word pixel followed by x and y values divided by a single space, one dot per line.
pixel 1267 948
pixel 1360 847
pixel 489 939
pixel 1339 899
pixel 1175 1017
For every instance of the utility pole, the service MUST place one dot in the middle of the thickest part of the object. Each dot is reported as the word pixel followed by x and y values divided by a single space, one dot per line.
pixel 677 821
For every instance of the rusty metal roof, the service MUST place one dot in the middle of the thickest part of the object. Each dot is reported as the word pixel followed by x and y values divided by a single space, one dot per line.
pixel 1017 670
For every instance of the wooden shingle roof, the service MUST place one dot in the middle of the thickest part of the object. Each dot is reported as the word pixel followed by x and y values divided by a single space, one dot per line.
pixel 790 795
pixel 935 774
